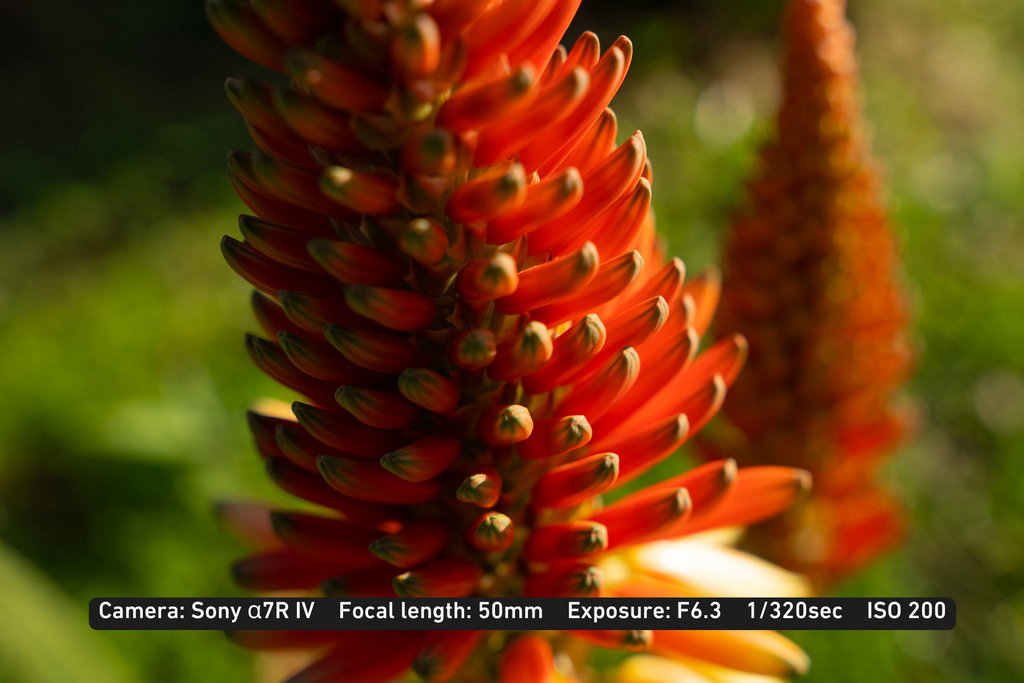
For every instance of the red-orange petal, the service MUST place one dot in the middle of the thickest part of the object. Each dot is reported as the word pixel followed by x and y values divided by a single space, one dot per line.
pixel 545 201
pixel 505 425
pixel 571 484
pixel 415 544
pixel 488 196
pixel 554 436
pixel 521 354
pixel 565 541
pixel 551 281
pixel 424 458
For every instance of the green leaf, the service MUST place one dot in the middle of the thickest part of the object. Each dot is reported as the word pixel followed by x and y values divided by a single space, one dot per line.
pixel 44 636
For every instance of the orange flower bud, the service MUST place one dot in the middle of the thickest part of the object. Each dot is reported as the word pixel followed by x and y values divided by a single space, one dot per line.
pixel 335 85
pixel 255 101
pixel 551 281
pixel 565 541
pixel 416 47
pixel 344 432
pixel 585 52
pixel 381 409
pixel 666 283
pixel 661 365
pixel 473 349
pixel 490 98
pixel 577 481
pixel 279 242
pixel 603 185
pixel 487 196
pixel 359 191
pixel 640 516
pixel 452 578
pixel 706 484
pixel 429 390
pixel 482 489
pixel 268 275
pixel 622 222
pixel 378 351
pixel 415 544
pixel 318 536
pixel 312 311
pixel 396 309
pixel 571 351
pixel 604 81
pixel 423 459
pixel 263 429
pixel 554 65
pixel 288 148
pixel 504 425
pixel 596 144
pixel 425 240
pixel 522 354
pixel 271 359
pixel 488 278
pixel 271 317
pixel 554 436
pixel 757 494
pixel 364 480
pixel 703 398
pixel 501 28
pixel 299 446
pixel 491 532
pixel 323 361
pixel 503 138
pixel 312 487
pixel 613 277
pixel 241 28
pixel 539 44
pixel 648 173
pixel 545 201
pixel 454 15
pixel 289 182
pixel 352 263
pixel 568 579
pixel 647 446
pixel 631 327
pixel 429 152
pixel 316 123
pixel 255 197
pixel 595 395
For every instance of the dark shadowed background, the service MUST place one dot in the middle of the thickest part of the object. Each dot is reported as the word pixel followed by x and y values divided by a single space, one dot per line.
pixel 123 378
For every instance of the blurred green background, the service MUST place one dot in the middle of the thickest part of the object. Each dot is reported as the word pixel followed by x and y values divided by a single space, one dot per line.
pixel 123 380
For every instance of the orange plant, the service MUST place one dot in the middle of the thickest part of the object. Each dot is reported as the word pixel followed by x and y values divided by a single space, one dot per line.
pixel 456 265
pixel 811 280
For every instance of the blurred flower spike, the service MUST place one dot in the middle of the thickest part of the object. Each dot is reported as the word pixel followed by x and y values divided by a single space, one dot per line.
pixel 811 279
pixel 456 265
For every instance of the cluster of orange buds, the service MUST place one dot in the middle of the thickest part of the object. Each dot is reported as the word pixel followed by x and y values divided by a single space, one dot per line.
pixel 811 279
pixel 456 265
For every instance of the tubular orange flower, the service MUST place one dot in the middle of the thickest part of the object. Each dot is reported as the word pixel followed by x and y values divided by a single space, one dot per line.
pixel 457 266
pixel 811 280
